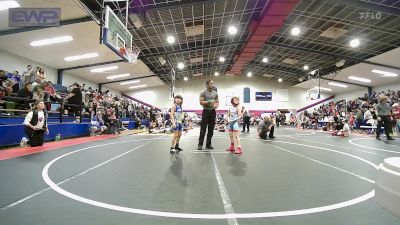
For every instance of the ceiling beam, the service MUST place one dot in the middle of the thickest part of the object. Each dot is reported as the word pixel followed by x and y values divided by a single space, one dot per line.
pixel 27 29
pixel 203 66
pixel 92 65
pixel 164 6
pixel 332 55
pixel 129 79
pixel 192 49
pixel 368 6
pixel 280 70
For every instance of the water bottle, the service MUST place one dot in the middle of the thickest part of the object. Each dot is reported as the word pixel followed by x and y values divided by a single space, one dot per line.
pixel 58 137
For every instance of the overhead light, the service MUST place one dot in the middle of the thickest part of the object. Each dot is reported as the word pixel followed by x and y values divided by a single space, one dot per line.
pixel 355 43
pixel 232 30
pixel 280 80
pixel 185 79
pixel 216 74
pixel 306 67
pixel 385 73
pixel 78 57
pixel 360 79
pixel 265 60
pixel 295 31
pixel 138 86
pixel 222 59
pixel 322 88
pixel 181 65
pixel 171 39
pixel 8 4
pixel 51 41
pixel 130 82
pixel 337 84
pixel 103 69
pixel 249 74
pixel 117 76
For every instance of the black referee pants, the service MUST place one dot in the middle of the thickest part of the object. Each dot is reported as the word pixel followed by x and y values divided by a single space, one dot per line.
pixel 385 122
pixel 207 120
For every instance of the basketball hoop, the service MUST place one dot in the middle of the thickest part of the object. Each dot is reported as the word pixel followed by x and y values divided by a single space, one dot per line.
pixel 132 54
pixel 122 51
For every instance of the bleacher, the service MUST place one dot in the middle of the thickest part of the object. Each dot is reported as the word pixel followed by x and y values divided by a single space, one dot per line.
pixel 13 110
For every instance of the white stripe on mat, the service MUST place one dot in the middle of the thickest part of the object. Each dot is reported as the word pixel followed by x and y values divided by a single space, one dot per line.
pixel 224 194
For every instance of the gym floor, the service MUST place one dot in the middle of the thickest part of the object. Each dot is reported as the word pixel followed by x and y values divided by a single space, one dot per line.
pixel 301 177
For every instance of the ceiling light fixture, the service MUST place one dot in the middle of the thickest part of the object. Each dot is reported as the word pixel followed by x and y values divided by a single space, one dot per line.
pixel 138 86
pixel 265 60
pixel 306 67
pixel 117 76
pixel 249 74
pixel 355 43
pixel 185 79
pixel 8 4
pixel 385 73
pixel 130 82
pixel 170 39
pixel 78 57
pixel 337 84
pixel 232 30
pixel 360 79
pixel 50 41
pixel 222 59
pixel 322 88
pixel 295 31
pixel 216 74
pixel 280 80
pixel 104 69
pixel 181 65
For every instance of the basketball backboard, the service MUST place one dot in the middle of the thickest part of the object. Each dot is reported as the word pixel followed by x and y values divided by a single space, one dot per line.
pixel 115 35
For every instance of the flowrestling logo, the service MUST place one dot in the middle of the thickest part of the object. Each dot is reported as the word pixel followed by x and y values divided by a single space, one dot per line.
pixel 34 17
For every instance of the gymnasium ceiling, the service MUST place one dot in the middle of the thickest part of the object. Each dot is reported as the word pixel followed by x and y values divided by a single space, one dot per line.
pixel 264 30
pixel 379 33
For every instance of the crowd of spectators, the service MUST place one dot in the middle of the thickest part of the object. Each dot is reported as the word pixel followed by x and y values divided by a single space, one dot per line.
pixel 355 112
pixel 104 110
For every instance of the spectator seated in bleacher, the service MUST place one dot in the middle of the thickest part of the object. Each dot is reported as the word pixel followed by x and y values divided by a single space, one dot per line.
pixel 49 89
pixel 342 129
pixel 6 83
pixel 25 93
pixel 97 124
pixel 111 122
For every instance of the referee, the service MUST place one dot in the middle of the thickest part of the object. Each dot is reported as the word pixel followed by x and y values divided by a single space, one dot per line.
pixel 209 101
pixel 383 112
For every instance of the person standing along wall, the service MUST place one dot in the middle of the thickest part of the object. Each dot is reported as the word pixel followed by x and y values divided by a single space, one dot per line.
pixel 246 120
pixel 383 112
